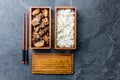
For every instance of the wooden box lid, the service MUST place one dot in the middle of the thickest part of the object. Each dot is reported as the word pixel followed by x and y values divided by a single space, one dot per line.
pixel 52 63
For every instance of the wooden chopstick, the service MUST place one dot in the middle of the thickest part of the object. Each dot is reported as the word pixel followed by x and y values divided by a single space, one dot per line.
pixel 26 44
pixel 23 39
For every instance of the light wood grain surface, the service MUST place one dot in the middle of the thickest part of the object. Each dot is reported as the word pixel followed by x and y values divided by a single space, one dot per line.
pixel 52 63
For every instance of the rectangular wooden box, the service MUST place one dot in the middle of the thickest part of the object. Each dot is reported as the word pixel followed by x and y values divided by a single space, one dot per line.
pixel 40 7
pixel 52 63
pixel 75 28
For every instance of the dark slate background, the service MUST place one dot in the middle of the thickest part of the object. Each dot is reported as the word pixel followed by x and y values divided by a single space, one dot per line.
pixel 98 45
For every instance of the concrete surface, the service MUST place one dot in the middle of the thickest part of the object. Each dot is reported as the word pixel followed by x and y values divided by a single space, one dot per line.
pixel 98 52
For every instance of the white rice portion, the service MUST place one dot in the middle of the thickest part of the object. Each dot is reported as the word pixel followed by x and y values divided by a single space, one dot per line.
pixel 65 28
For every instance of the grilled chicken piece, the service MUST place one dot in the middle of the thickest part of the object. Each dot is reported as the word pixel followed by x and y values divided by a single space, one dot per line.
pixel 45 21
pixel 40 43
pixel 37 29
pixel 45 13
pixel 46 39
pixel 35 12
pixel 42 25
pixel 35 21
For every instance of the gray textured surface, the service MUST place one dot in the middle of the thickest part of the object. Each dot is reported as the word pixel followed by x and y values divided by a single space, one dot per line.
pixel 98 53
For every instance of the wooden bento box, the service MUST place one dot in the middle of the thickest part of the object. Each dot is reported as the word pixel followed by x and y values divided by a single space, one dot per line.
pixel 65 28
pixel 40 27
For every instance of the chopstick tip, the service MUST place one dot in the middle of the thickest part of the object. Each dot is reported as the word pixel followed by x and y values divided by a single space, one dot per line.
pixel 26 62
pixel 23 62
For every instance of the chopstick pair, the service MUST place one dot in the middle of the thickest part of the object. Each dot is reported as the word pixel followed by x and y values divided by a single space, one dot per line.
pixel 25 39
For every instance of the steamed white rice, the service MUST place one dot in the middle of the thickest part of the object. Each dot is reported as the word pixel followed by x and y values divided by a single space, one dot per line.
pixel 65 28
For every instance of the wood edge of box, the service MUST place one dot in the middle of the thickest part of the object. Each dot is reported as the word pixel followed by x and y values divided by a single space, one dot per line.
pixel 40 7
pixel 35 48
pixel 65 73
pixel 62 7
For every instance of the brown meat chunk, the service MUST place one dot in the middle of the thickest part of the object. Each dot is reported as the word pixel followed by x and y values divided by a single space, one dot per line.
pixel 39 16
pixel 45 21
pixel 36 29
pixel 35 21
pixel 35 12
pixel 46 38
pixel 42 25
pixel 40 43
pixel 45 13
pixel 36 38
pixel 36 35
pixel 46 29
